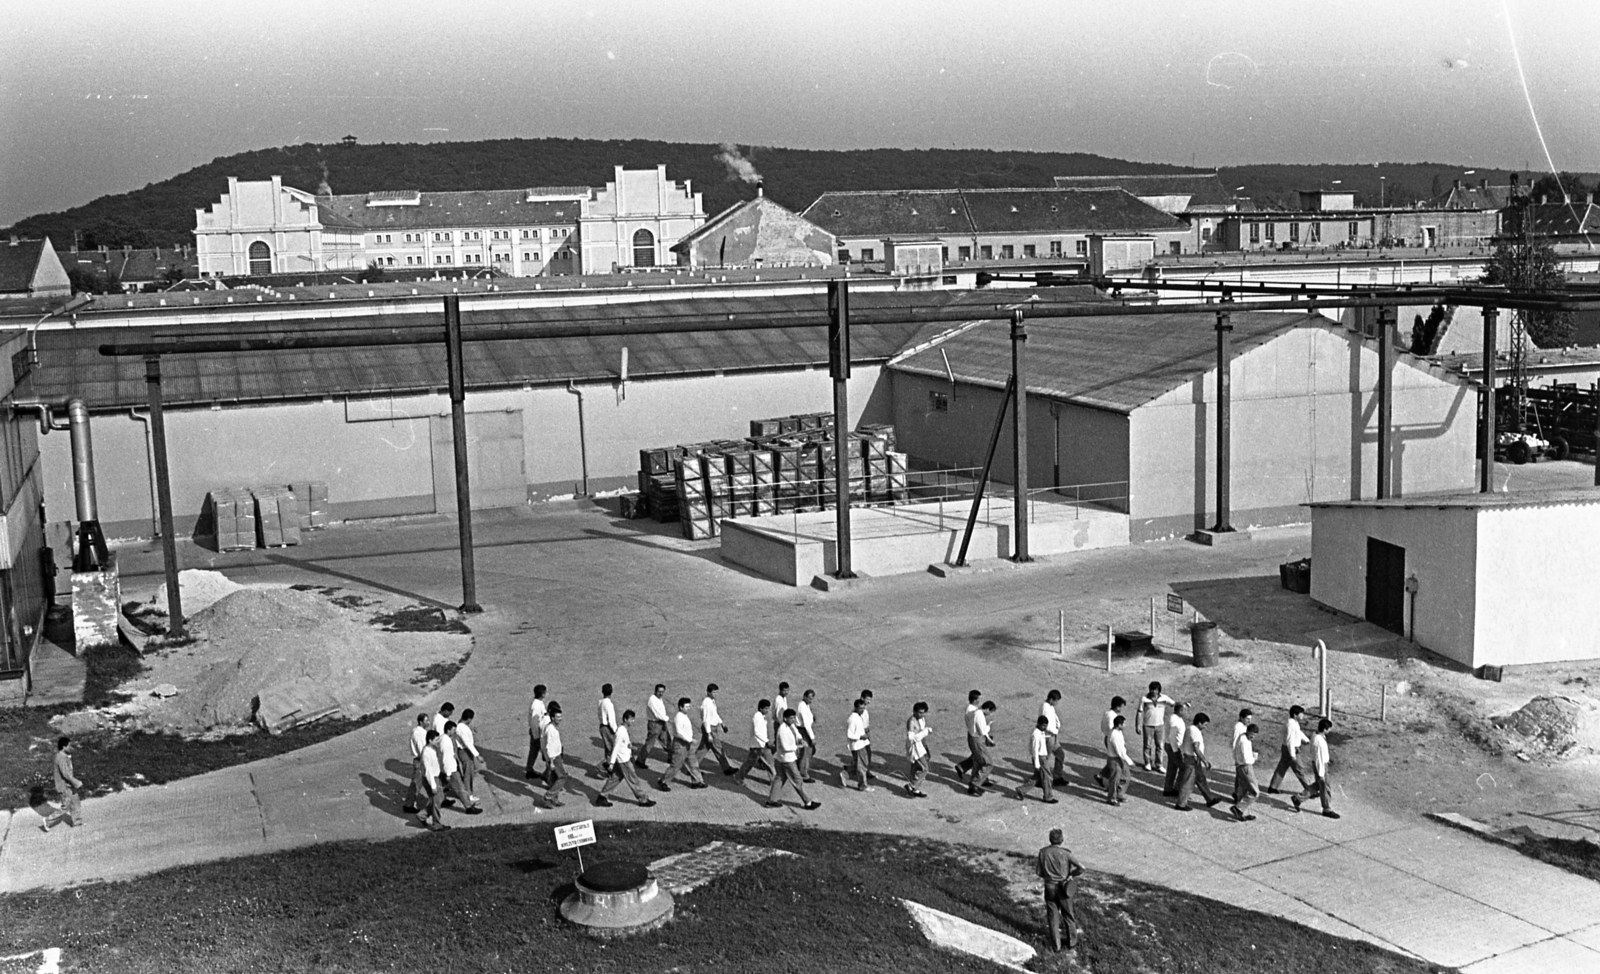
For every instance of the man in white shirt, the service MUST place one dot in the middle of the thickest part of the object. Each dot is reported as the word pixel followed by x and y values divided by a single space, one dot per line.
pixel 1052 719
pixel 711 730
pixel 866 720
pixel 760 744
pixel 806 720
pixel 789 745
pixel 855 733
pixel 964 766
pixel 1102 778
pixel 981 765
pixel 917 732
pixel 418 795
pixel 1319 765
pixel 450 770
pixel 780 703
pixel 555 768
pixel 428 813
pixel 1153 725
pixel 536 722
pixel 655 728
pixel 1241 725
pixel 1118 761
pixel 621 763
pixel 682 746
pixel 1039 759
pixel 467 753
pixel 446 712
pixel 1195 765
pixel 608 727
pixel 1289 753
pixel 1172 741
pixel 1245 789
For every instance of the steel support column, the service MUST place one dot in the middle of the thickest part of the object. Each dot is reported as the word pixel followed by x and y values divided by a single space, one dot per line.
pixel 1224 421
pixel 1019 436
pixel 458 431
pixel 1386 319
pixel 1486 436
pixel 988 465
pixel 839 370
pixel 169 545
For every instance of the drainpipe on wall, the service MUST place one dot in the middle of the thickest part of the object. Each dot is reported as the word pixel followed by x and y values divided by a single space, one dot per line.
pixel 144 420
pixel 92 554
pixel 583 441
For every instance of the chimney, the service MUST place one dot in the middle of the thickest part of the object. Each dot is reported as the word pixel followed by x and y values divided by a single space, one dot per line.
pixel 1544 199
pixel 1457 185
pixel 761 187
pixel 1483 184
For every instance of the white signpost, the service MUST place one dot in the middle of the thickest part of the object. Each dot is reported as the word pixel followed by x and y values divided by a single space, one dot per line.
pixel 575 836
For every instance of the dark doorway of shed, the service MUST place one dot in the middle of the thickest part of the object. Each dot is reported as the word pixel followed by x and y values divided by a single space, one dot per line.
pixel 1386 585
pixel 494 457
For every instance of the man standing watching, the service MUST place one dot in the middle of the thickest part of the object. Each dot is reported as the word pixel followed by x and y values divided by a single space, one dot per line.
pixel 682 746
pixel 760 744
pixel 536 722
pixel 788 757
pixel 67 787
pixel 1195 765
pixel 1060 872
pixel 1245 789
pixel 711 730
pixel 917 750
pixel 855 733
pixel 1289 753
pixel 655 728
pixel 805 720
pixel 1173 743
pixel 1319 765
pixel 1153 725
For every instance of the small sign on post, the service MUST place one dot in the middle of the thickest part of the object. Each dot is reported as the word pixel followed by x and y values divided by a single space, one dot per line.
pixel 1174 603
pixel 575 836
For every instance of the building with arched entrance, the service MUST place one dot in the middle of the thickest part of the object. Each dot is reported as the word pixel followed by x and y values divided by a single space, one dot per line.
pixel 636 219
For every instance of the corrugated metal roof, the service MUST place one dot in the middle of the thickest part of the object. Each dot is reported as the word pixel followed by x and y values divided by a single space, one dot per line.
pixel 1116 362
pixel 1203 189
pixel 978 211
pixel 474 208
pixel 70 364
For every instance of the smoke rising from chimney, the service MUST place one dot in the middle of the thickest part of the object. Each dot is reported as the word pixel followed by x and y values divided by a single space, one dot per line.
pixel 740 169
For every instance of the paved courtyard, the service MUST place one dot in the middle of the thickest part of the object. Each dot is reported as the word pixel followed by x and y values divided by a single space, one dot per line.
pixel 576 598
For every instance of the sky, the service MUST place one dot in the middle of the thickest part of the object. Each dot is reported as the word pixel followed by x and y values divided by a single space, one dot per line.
pixel 97 100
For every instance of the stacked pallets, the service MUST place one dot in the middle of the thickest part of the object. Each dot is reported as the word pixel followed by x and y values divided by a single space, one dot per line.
pixel 786 465
pixel 242 518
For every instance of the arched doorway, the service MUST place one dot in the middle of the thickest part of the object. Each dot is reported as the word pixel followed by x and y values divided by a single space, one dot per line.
pixel 260 258
pixel 644 248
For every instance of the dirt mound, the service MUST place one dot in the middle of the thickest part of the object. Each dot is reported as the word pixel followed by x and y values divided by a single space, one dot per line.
pixel 1553 727
pixel 289 651
pixel 199 589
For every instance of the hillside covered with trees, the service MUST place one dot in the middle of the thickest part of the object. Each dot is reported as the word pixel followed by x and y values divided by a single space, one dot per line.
pixel 163 213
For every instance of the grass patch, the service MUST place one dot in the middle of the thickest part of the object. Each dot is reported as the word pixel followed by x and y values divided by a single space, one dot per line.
pixel 485 899
pixel 105 669
pixel 419 618
pixel 1573 855
pixel 438 674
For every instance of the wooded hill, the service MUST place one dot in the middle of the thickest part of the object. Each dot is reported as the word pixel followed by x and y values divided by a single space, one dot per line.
pixel 163 213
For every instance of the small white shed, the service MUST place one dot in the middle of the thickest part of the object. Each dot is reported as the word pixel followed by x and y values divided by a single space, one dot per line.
pixel 1498 579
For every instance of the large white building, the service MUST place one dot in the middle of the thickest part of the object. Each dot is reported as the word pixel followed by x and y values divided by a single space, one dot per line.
pixel 264 227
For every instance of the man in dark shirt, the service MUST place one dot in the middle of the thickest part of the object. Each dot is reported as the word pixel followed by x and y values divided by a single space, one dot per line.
pixel 1060 871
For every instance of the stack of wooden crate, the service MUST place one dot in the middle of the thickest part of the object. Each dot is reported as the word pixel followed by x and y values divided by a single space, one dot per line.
pixel 277 519
pixel 310 504
pixel 227 520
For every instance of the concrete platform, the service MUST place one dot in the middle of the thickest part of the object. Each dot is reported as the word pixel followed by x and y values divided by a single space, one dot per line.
pixel 795 548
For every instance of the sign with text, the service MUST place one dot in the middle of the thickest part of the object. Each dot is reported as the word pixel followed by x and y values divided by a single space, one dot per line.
pixel 574 835
pixel 1175 603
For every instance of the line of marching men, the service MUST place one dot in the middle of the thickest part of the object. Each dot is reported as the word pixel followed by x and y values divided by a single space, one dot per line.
pixel 783 742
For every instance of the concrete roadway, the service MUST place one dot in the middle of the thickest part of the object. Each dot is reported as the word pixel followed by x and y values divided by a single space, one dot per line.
pixel 576 598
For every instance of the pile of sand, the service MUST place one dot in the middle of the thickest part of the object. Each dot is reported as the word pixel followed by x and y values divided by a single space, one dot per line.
pixel 1553 727
pixel 198 589
pixel 283 652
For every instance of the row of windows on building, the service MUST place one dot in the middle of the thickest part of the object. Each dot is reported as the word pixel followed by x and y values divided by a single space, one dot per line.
pixel 1313 233
pixel 553 234
pixel 416 260
pixel 985 251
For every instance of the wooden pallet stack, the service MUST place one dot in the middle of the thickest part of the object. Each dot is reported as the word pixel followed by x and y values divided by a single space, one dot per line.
pixel 227 520
pixel 276 516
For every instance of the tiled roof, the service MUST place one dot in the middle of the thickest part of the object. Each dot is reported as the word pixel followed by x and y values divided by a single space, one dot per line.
pixel 1203 189
pixel 18 263
pixel 1117 362
pixel 1565 219
pixel 70 364
pixel 969 211
pixel 134 265
pixel 1471 198
pixel 471 208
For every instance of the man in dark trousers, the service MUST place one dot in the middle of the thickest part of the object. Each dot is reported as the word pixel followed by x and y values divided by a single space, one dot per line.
pixel 1319 765
pixel 1289 752
pixel 1060 872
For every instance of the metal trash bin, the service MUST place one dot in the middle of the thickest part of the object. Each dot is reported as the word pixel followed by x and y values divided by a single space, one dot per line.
pixel 1203 637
